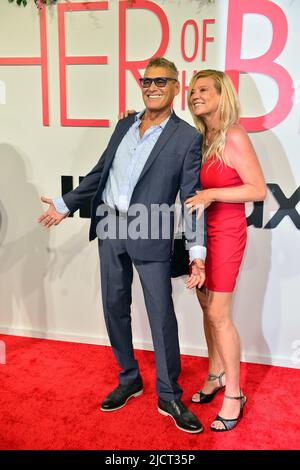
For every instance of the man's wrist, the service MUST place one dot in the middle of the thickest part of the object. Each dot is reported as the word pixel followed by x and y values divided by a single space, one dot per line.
pixel 196 252
pixel 199 263
pixel 60 205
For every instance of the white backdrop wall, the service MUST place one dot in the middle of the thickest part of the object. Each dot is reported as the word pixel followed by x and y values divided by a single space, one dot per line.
pixel 49 280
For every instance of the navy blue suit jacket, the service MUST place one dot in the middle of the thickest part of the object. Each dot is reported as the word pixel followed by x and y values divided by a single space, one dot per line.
pixel 173 166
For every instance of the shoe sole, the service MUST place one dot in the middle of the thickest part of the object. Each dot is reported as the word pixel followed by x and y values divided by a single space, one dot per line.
pixel 164 413
pixel 137 394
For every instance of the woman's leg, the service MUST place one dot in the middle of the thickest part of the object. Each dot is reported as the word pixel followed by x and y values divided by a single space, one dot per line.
pixel 215 365
pixel 226 340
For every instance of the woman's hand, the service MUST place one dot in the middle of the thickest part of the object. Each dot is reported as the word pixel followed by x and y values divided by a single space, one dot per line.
pixel 201 201
pixel 126 113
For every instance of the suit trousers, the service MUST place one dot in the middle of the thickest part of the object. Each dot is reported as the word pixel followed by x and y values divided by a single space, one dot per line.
pixel 116 267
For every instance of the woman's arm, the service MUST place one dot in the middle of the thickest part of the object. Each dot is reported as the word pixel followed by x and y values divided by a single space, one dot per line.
pixel 240 155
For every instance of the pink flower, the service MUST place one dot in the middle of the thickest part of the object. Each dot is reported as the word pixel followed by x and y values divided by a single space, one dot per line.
pixel 40 4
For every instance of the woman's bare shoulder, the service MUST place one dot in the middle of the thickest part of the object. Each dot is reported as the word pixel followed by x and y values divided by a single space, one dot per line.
pixel 238 145
pixel 236 133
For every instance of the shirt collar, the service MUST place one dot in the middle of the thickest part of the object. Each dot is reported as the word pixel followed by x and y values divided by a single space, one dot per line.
pixel 140 114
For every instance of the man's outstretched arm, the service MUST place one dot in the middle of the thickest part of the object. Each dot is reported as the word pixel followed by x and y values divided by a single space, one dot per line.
pixel 60 207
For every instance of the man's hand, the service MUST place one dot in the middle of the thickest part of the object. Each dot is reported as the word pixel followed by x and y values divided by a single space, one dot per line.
pixel 51 216
pixel 197 276
pixel 126 113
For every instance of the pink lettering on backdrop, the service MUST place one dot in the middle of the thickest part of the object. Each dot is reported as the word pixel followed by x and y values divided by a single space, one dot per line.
pixel 184 88
pixel 134 65
pixel 196 40
pixel 75 60
pixel 42 61
pixel 235 64
pixel 263 64
pixel 205 38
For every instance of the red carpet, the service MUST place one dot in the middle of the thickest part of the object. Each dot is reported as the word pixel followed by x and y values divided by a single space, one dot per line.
pixel 51 390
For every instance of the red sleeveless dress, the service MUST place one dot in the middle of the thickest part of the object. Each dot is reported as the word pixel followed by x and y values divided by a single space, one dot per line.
pixel 226 228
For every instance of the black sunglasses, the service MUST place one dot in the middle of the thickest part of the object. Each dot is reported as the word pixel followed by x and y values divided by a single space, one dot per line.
pixel 160 82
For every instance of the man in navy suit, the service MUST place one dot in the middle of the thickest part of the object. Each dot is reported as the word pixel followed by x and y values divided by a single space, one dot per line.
pixel 151 156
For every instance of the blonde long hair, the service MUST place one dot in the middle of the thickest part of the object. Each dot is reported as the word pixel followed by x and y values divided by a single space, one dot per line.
pixel 229 108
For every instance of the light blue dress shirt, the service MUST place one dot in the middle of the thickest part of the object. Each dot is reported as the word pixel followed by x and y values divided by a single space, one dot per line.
pixel 130 159
pixel 126 169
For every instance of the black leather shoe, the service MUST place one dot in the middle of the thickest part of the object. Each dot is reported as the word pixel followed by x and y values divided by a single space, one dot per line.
pixel 184 419
pixel 120 396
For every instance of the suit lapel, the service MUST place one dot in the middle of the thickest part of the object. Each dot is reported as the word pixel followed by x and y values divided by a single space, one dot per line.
pixel 161 142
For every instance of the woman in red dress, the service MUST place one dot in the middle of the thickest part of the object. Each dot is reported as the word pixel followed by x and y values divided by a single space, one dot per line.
pixel 230 176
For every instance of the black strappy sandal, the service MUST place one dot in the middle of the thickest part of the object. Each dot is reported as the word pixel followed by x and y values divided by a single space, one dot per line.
pixel 230 424
pixel 208 397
